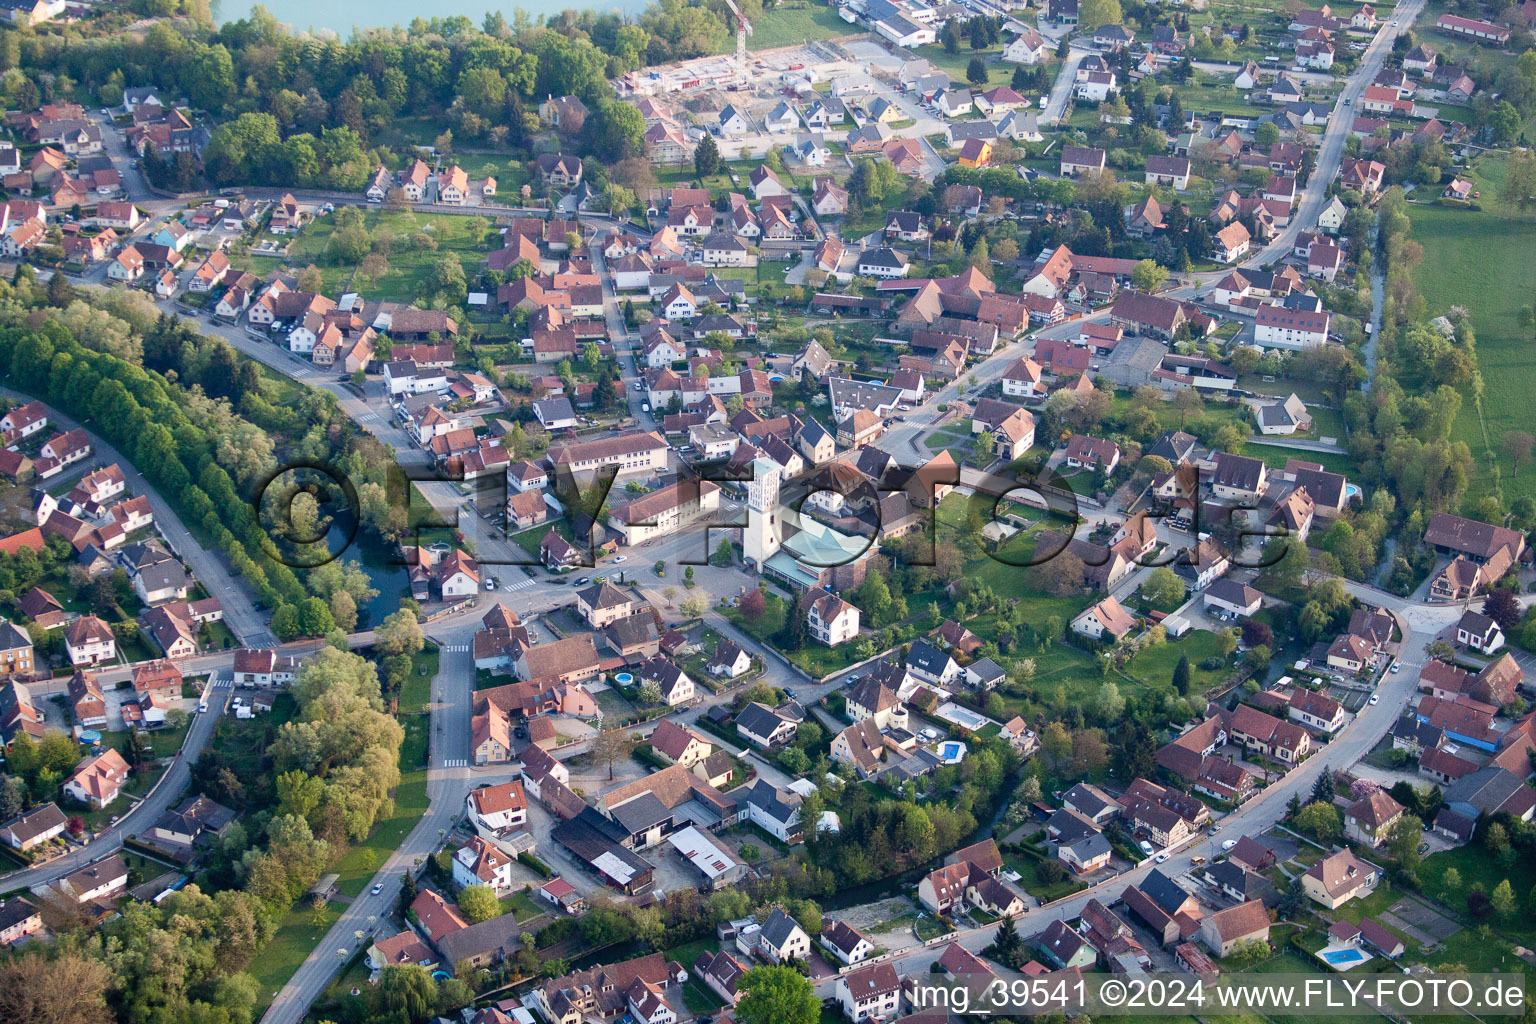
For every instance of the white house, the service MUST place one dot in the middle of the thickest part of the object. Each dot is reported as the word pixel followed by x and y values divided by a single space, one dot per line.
pixel 1097 87
pixel 954 102
pixel 846 943
pixel 781 938
pixel 883 262
pixel 481 863
pixel 89 641
pixel 830 619
pixel 1023 379
pixel 873 991
pixel 1108 617
pixel 1278 327
pixel 1029 48
pixel 498 808
pixel 731 122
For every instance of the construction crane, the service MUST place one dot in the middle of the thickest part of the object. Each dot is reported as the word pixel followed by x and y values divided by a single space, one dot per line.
pixel 743 29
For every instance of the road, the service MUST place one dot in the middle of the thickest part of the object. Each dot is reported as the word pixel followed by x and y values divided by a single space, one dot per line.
pixel 1330 151
pixel 166 792
pixel 446 789
pixel 1061 89
pixel 1420 622
pixel 450 778
pixel 240 612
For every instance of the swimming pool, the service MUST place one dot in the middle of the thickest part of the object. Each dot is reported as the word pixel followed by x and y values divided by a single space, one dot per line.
pixel 1339 957
pixel 623 678
pixel 1351 491
pixel 952 752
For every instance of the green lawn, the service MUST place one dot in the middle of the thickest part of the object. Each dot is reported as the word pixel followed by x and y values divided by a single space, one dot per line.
pixel 1154 665
pixel 698 997
pixel 296 937
pixel 1482 260
pixel 1046 892
pixel 954 64
pixel 522 906
pixel 613 705
pixel 417 690
pixel 788 24
pixel 1275 457
pixel 164 741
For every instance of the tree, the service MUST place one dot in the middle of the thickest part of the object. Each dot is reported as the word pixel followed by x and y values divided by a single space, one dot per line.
pixel 1519 187
pixel 479 903
pixel 1403 841
pixel 1109 704
pixel 1503 899
pixel 285 623
pixel 1294 898
pixel 406 990
pixel 1320 821
pixel 976 71
pixel 1503 607
pixel 1149 275
pixel 706 158
pixel 1092 14
pixel 777 995
pixel 753 605
pixel 1062 575
pixel 1518 445
pixel 612 746
pixel 1266 134
pixel 1504 124
pixel 67 988
pixel 399 633
pixel 1163 588
pixel 1181 676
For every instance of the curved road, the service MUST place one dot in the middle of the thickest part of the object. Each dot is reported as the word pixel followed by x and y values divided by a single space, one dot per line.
pixel 166 792
pixel 1420 624
pixel 240 612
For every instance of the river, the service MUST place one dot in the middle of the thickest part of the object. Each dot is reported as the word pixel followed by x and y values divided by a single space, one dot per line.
pixel 342 16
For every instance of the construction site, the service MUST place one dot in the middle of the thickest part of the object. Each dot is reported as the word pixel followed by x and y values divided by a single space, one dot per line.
pixel 762 72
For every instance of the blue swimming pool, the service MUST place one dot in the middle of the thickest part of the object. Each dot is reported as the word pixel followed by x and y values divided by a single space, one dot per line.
pixel 623 678
pixel 1344 956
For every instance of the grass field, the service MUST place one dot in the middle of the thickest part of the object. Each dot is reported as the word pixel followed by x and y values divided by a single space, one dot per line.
pixel 468 238
pixel 788 24
pixel 1275 456
pixel 296 936
pixel 954 64
pixel 1482 260
pixel 1154 665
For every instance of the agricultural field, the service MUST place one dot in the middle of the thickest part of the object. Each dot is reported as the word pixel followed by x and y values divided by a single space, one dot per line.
pixel 1481 260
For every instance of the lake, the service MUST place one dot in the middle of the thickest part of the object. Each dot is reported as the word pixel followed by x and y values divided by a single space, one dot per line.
pixel 341 16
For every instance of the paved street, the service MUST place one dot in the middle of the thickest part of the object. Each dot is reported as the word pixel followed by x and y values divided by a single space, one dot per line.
pixel 166 793
pixel 1260 813
pixel 1331 150
pixel 240 611
pixel 450 778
